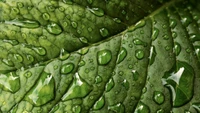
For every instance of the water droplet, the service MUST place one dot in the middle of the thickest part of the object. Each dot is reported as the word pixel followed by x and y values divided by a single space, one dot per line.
pixel 179 79
pixel 144 90
pixel 76 109
pixel 28 74
pixel 18 58
pixel 51 8
pixel 54 28
pixel 194 37
pixel 64 54
pixel 158 97
pixel 137 41
pixel 67 68
pixel 197 51
pixel 98 79
pixel 135 75
pixel 152 55
pixel 139 24
pixel 139 54
pixel 167 48
pixel 10 82
pixel 186 21
pixel 8 62
pixel 177 48
pixel 142 108
pixel 174 34
pixel 83 51
pixel 83 40
pixel 39 50
pixel 81 63
pixel 130 66
pixel 24 23
pixel 117 108
pixel 121 73
pixel 110 85
pixel 15 10
pixel 45 16
pixel 160 111
pixel 13 42
pixel 104 57
pixel 125 83
pixel 117 20
pixel 89 1
pixel 20 4
pixel 166 37
pixel 74 24
pixel 104 32
pixel 99 103
pixel 155 34
pixel 173 23
pixel 188 50
pixel 78 89
pixel 89 29
pixel 122 54
pixel 43 90
pixel 96 11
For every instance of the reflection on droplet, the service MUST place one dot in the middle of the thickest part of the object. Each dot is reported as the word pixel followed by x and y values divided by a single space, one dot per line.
pixel 96 11
pixel 104 57
pixel 122 54
pixel 99 103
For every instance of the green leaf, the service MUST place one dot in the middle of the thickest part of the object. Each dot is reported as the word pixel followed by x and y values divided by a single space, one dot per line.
pixel 99 56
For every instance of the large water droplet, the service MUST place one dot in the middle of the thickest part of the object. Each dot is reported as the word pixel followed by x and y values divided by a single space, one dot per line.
pixel 43 91
pixel 24 23
pixel 122 54
pixel 179 79
pixel 83 51
pixel 78 89
pixel 177 48
pixel 118 108
pixel 54 28
pixel 142 108
pixel 194 37
pixel 139 24
pixel 10 82
pixel 99 104
pixel 67 68
pixel 135 75
pixel 96 11
pixel 64 54
pixel 158 97
pixel 104 57
pixel 39 50
pixel 104 32
pixel 137 41
pixel 110 85
pixel 155 34
pixel 139 54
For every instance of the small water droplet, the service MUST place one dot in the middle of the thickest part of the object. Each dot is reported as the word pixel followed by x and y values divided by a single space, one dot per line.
pixel 81 63
pixel 45 16
pixel 158 97
pixel 117 20
pixel 20 4
pixel 167 48
pixel 117 108
pixel 54 28
pixel 24 23
pixel 155 34
pixel 110 85
pixel 144 90
pixel 67 68
pixel 165 37
pixel 39 50
pixel 18 57
pixel 104 32
pixel 174 35
pixel 99 103
pixel 142 108
pixel 64 54
pixel 83 40
pixel 89 29
pixel 160 111
pixel 98 79
pixel 188 50
pixel 125 83
pixel 83 51
pixel 137 41
pixel 104 57
pixel 173 23
pixel 152 55
pixel 30 58
pixel 194 37
pixel 74 24
pixel 139 54
pixel 135 75
pixel 96 11
pixel 28 74
pixel 8 62
pixel 76 109
pixel 186 21
pixel 122 54
pixel 177 48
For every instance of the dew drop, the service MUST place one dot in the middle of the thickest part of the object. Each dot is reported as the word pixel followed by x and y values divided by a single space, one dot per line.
pixel 125 83
pixel 135 75
pixel 83 40
pixel 45 16
pixel 83 51
pixel 67 68
pixel 110 85
pixel 54 28
pixel 117 108
pixel 158 97
pixel 8 62
pixel 139 54
pixel 167 48
pixel 142 108
pixel 166 37
pixel 117 20
pixel 177 48
pixel 173 23
pixel 186 21
pixel 137 41
pixel 104 57
pixel 20 4
pixel 76 109
pixel 194 37
pixel 64 54
pixel 155 34
pixel 152 55
pixel 98 79
pixel 160 111
pixel 96 11
pixel 99 103
pixel 28 74
pixel 197 51
pixel 104 32
pixel 139 24
pixel 39 50
pixel 24 23
pixel 174 35
pixel 122 54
